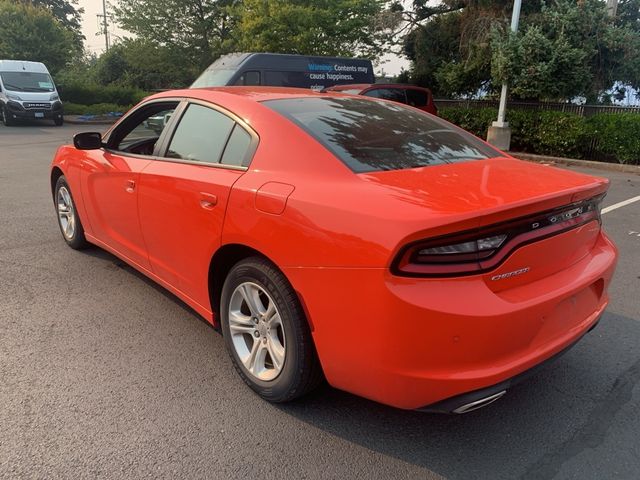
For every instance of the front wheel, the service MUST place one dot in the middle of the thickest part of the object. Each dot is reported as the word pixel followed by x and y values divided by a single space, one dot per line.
pixel 266 332
pixel 68 219
pixel 6 118
pixel 58 121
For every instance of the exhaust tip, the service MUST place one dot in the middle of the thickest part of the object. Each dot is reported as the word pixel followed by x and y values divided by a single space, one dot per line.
pixel 483 402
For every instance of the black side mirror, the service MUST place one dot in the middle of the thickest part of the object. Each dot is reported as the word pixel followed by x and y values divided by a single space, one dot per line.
pixel 87 141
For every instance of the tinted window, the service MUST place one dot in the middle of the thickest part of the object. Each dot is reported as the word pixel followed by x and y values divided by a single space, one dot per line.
pixel 237 147
pixel 249 78
pixel 201 135
pixel 370 136
pixel 417 98
pixel 286 79
pixel 394 94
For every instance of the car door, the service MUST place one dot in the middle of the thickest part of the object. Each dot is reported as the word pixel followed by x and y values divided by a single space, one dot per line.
pixel 109 182
pixel 183 195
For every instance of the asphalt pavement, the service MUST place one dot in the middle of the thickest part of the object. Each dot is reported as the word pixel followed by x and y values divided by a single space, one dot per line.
pixel 103 374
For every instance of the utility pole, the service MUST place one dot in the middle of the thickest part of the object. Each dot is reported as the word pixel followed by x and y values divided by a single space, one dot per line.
pixel 105 24
pixel 612 7
pixel 499 133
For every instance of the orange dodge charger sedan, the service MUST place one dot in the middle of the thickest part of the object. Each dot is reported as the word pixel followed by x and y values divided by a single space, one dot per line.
pixel 347 238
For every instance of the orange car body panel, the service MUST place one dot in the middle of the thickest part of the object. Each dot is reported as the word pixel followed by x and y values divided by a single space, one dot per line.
pixel 407 342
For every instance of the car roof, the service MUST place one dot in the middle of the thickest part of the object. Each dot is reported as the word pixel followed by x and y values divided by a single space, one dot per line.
pixel 257 94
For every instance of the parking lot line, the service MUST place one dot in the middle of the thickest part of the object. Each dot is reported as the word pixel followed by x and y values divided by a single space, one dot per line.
pixel 620 204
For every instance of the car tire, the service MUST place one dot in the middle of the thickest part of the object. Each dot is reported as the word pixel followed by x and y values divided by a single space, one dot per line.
pixel 6 119
pixel 58 121
pixel 270 342
pixel 68 218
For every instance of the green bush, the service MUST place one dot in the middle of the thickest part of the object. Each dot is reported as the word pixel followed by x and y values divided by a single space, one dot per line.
pixel 97 109
pixel 90 94
pixel 617 136
pixel 609 137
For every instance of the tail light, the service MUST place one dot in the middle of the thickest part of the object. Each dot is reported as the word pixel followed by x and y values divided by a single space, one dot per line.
pixel 481 250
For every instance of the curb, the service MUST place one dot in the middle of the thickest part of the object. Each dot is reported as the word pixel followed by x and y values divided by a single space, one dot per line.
pixel 73 120
pixel 610 167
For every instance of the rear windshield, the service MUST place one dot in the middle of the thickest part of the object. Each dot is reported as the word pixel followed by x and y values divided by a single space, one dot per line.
pixel 370 136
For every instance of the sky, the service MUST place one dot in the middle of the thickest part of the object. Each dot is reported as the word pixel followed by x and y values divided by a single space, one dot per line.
pixel 392 64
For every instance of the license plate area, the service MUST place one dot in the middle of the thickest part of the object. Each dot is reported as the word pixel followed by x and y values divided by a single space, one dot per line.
pixel 39 114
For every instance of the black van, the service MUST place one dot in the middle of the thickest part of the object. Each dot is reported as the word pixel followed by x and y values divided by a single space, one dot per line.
pixel 281 70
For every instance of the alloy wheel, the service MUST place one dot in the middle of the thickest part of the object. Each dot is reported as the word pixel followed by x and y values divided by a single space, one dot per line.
pixel 257 333
pixel 66 213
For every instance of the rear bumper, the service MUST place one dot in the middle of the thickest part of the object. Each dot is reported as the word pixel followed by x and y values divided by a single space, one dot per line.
pixel 413 342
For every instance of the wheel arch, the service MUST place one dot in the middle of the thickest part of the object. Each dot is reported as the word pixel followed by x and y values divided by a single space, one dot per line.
pixel 56 173
pixel 221 264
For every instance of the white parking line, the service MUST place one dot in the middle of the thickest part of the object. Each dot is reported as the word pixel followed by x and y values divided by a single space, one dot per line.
pixel 620 204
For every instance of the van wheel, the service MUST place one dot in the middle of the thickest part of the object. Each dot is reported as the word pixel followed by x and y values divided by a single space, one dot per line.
pixel 59 121
pixel 6 119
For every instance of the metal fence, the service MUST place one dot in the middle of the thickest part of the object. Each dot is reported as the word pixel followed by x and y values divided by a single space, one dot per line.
pixel 582 110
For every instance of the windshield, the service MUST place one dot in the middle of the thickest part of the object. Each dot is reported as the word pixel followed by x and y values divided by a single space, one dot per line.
pixel 370 136
pixel 27 81
pixel 214 77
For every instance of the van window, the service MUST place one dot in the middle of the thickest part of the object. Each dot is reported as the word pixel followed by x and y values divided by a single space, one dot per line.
pixel 286 79
pixel 213 78
pixel 251 77
pixel 27 82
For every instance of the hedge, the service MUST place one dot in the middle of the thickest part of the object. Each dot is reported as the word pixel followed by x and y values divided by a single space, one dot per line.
pixel 611 137
pixel 91 94
pixel 96 109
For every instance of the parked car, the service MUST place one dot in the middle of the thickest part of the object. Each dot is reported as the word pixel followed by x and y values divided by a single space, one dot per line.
pixel 27 92
pixel 418 97
pixel 280 70
pixel 384 248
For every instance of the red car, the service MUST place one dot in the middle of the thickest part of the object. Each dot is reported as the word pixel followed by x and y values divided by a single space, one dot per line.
pixel 415 265
pixel 418 97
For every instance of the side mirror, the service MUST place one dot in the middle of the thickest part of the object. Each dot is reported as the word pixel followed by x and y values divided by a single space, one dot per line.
pixel 87 141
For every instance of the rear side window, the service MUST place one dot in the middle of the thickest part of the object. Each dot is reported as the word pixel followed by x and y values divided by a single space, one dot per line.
pixel 237 148
pixel 201 135
pixel 417 98
pixel 394 94
pixel 370 136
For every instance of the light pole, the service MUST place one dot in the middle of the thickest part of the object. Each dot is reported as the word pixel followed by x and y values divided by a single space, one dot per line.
pixel 499 133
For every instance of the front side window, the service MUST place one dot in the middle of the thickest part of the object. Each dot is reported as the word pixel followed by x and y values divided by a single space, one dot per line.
pixel 370 136
pixel 252 77
pixel 139 133
pixel 201 135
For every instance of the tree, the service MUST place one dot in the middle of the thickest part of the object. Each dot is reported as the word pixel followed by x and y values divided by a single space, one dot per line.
pixel 325 27
pixel 200 29
pixel 67 14
pixel 568 49
pixel 143 64
pixel 564 49
pixel 32 33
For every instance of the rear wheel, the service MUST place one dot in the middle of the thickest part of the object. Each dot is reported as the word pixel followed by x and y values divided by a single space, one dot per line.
pixel 266 332
pixel 68 219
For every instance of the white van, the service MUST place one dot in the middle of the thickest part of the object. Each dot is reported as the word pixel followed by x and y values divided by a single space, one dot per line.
pixel 27 92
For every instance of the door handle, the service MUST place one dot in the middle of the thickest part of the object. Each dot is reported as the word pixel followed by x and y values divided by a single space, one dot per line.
pixel 130 186
pixel 208 200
